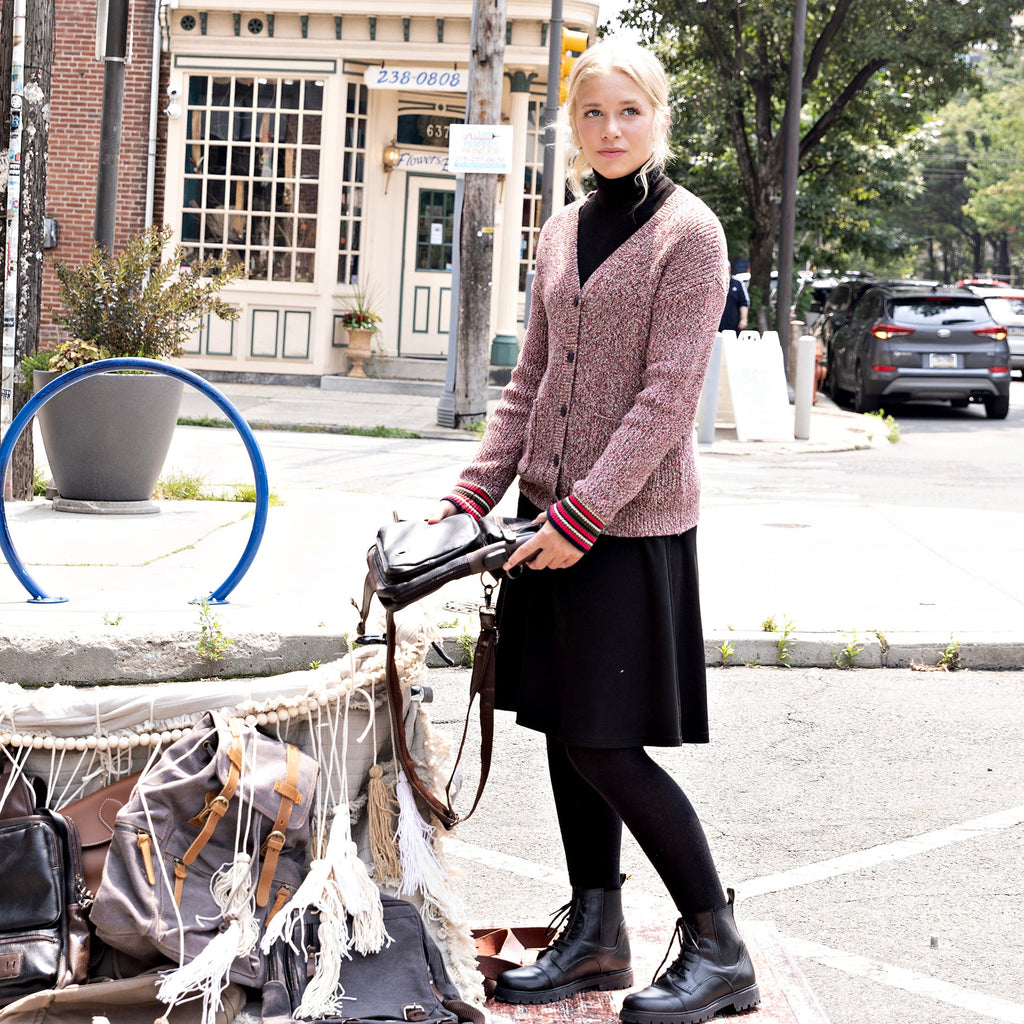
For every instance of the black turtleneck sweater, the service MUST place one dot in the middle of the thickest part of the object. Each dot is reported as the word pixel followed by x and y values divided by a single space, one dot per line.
pixel 610 215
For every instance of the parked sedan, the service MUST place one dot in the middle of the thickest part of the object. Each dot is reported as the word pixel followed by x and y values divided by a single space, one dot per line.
pixel 911 343
pixel 1007 308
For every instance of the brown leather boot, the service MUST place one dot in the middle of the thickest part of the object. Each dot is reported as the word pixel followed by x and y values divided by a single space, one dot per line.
pixel 590 952
pixel 712 972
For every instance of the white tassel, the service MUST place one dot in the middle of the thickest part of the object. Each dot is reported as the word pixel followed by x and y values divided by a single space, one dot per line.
pixel 310 893
pixel 362 900
pixel 207 975
pixel 324 993
pixel 421 870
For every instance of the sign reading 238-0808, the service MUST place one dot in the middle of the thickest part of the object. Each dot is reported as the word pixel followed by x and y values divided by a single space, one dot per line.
pixel 427 79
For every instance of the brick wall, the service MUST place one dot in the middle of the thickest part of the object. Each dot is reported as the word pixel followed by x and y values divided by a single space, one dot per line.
pixel 75 121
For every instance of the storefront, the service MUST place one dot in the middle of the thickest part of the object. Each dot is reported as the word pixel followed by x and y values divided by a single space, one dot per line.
pixel 313 148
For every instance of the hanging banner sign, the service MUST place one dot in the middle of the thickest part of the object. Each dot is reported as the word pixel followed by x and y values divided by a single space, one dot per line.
pixel 480 148
pixel 426 79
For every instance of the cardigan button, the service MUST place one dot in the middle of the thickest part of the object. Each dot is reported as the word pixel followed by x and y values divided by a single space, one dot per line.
pixel 564 411
pixel 555 461
pixel 575 300
pixel 570 356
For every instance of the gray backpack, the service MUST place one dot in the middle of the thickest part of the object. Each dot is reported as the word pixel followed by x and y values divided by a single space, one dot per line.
pixel 223 798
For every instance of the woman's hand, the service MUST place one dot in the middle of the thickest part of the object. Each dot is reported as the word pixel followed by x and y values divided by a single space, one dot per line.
pixel 546 549
pixel 443 511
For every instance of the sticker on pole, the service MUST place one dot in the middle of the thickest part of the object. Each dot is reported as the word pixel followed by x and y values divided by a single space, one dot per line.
pixel 480 148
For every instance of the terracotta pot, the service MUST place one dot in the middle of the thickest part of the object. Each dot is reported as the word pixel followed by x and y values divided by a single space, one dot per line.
pixel 359 346
pixel 106 437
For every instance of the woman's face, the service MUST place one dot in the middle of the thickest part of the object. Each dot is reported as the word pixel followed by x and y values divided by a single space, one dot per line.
pixel 614 124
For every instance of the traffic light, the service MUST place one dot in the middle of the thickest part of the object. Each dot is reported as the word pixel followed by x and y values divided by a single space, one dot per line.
pixel 573 42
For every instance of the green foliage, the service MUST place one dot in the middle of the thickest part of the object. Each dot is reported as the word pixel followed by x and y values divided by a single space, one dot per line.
pixel 873 72
pixel 212 644
pixel 892 428
pixel 847 656
pixel 726 650
pixel 40 481
pixel 178 486
pixel 950 657
pixel 38 360
pixel 769 625
pixel 136 302
pixel 75 353
pixel 358 313
pixel 784 646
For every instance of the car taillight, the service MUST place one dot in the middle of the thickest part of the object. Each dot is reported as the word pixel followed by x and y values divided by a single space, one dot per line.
pixel 884 369
pixel 999 369
pixel 999 333
pixel 886 331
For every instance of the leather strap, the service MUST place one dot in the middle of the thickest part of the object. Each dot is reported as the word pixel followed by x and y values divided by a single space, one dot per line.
pixel 211 814
pixel 272 845
pixel 481 684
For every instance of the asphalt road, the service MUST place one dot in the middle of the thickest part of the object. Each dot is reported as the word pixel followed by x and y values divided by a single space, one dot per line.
pixel 875 817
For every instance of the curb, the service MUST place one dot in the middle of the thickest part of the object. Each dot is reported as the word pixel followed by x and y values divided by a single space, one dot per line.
pixel 85 660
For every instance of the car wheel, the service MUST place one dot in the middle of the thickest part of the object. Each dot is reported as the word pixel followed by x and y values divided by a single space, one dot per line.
pixel 862 401
pixel 996 408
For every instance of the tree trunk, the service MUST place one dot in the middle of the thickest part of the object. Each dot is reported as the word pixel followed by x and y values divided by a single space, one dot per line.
pixel 476 241
pixel 35 139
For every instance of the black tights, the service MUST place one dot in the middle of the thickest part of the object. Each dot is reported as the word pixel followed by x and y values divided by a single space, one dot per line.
pixel 598 789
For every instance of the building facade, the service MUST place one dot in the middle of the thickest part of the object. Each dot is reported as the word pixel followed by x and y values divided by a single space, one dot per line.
pixel 310 144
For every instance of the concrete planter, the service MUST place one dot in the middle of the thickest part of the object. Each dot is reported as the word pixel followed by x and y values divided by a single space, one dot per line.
pixel 360 346
pixel 106 437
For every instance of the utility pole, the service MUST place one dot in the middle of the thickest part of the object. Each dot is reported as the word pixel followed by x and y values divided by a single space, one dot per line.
pixel 469 343
pixel 115 53
pixel 35 118
pixel 549 118
pixel 790 171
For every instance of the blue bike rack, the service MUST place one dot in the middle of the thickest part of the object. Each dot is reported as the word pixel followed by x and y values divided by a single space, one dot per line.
pixel 65 380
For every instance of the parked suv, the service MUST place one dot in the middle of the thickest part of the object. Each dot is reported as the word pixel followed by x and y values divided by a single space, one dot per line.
pixel 1007 307
pixel 903 343
pixel 842 300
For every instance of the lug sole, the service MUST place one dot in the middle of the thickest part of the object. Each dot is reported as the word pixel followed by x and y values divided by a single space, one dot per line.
pixel 612 981
pixel 745 999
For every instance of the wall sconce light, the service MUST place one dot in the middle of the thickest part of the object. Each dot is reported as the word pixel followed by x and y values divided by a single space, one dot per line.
pixel 173 108
pixel 390 160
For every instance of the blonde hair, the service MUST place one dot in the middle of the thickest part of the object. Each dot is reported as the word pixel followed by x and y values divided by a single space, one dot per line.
pixel 647 74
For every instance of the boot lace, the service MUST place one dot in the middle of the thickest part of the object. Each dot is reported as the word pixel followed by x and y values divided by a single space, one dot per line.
pixel 567 921
pixel 688 939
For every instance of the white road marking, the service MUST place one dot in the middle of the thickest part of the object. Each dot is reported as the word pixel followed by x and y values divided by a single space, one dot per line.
pixel 908 981
pixel 875 855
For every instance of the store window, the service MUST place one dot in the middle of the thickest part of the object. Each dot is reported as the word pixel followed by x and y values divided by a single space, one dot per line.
pixel 252 173
pixel 531 191
pixel 353 174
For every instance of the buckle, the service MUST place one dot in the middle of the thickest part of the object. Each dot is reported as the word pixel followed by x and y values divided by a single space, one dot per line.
pixel 413 1011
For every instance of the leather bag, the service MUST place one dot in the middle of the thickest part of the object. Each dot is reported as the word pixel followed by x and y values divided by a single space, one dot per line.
pixel 222 795
pixel 44 936
pixel 405 981
pixel 94 816
pixel 410 560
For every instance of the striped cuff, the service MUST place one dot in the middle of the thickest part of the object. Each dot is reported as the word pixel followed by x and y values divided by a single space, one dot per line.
pixel 474 501
pixel 576 523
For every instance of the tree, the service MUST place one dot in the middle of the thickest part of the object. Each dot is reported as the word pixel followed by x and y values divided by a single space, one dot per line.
pixel 873 70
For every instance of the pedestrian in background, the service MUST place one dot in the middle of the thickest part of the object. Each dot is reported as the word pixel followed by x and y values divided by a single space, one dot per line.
pixel 737 306
pixel 601 647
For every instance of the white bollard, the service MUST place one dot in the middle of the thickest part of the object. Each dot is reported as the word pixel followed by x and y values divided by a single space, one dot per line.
pixel 707 410
pixel 803 387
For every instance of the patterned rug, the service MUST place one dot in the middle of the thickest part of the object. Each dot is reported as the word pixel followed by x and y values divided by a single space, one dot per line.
pixel 785 995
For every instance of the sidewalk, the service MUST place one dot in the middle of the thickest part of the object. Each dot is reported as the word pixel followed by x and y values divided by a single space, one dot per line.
pixel 129 580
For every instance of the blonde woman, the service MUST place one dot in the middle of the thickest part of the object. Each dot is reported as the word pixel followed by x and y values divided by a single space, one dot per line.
pixel 600 644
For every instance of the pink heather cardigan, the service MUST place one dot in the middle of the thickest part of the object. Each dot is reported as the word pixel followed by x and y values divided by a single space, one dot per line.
pixel 598 415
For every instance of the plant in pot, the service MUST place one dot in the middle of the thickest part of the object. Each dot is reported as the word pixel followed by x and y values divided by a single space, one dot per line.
pixel 106 437
pixel 360 320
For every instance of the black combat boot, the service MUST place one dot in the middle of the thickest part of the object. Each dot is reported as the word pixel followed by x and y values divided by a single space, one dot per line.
pixel 590 952
pixel 712 972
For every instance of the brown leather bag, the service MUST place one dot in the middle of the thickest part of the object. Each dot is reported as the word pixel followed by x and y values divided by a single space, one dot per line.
pixel 44 937
pixel 94 816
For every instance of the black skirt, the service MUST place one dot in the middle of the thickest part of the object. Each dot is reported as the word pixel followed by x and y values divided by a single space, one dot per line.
pixel 609 652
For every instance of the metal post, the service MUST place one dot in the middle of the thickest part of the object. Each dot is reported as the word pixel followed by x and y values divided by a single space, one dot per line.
pixel 803 387
pixel 13 228
pixel 115 52
pixel 550 115
pixel 790 171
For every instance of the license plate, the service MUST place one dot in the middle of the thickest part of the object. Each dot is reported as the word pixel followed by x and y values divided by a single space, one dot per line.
pixel 942 360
